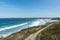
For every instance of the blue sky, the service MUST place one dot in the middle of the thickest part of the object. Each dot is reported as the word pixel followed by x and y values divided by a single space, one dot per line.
pixel 29 8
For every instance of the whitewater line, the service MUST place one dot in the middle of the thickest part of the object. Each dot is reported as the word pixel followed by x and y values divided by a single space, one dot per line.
pixel 10 27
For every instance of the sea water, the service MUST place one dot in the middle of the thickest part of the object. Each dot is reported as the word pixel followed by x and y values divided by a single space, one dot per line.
pixel 11 25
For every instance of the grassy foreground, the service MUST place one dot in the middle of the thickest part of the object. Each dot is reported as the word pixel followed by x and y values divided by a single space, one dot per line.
pixel 52 33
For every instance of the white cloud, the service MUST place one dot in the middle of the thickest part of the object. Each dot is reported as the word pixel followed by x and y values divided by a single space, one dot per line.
pixel 2 3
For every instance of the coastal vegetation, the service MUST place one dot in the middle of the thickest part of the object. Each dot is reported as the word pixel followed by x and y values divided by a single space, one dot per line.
pixel 52 33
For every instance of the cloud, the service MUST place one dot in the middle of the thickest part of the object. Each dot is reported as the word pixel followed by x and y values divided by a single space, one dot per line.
pixel 10 27
pixel 2 3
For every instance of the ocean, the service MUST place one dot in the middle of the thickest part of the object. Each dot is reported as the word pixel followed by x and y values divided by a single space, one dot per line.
pixel 12 25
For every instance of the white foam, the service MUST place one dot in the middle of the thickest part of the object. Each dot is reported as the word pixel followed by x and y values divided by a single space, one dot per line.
pixel 37 22
pixel 10 27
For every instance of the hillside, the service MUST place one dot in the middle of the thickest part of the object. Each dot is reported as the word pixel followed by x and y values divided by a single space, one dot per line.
pixel 52 33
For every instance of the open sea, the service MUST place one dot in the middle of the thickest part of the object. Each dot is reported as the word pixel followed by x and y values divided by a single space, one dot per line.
pixel 11 25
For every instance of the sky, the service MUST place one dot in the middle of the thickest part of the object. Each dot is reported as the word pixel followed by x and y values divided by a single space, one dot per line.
pixel 29 8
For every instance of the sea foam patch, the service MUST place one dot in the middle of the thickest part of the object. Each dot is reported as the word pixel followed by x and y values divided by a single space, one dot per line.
pixel 37 22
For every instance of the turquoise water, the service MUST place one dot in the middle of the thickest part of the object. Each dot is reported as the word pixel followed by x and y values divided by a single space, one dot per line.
pixel 11 25
pixel 9 22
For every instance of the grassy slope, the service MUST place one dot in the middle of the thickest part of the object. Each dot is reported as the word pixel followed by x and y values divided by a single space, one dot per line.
pixel 24 33
pixel 52 33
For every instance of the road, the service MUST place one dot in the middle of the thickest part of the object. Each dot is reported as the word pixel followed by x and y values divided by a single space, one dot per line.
pixel 33 36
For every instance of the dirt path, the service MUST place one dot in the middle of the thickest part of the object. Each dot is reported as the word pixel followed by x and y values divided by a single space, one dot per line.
pixel 33 36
